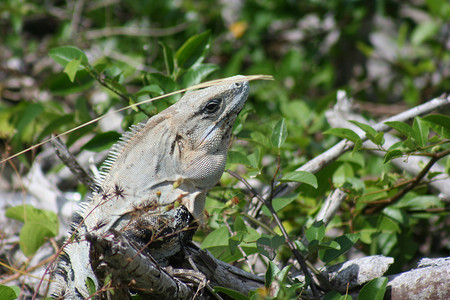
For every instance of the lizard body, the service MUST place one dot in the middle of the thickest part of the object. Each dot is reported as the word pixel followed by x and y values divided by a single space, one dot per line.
pixel 173 158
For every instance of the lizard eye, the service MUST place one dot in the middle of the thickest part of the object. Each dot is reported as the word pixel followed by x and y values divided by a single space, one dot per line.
pixel 212 106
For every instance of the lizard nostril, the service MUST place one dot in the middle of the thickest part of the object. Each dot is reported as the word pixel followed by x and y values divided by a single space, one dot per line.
pixel 238 84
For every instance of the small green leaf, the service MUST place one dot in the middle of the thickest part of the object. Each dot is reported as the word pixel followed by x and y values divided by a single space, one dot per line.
pixel 300 246
pixel 315 232
pixel 378 139
pixel 192 50
pixel 218 237
pixel 401 127
pixel 333 295
pixel 26 117
pixel 9 292
pixel 33 236
pixel 279 203
pixel 169 59
pixel 390 155
pixel 152 89
pixel 279 134
pixel 344 133
pixel 71 68
pixel 346 242
pixel 421 132
pixel 365 127
pixel 423 31
pixel 102 141
pixel 232 293
pixel 90 284
pixel 233 242
pixel 28 213
pixel 374 289
pixel 329 245
pixel 271 273
pixel 301 176
pixel 239 225
pixel 235 157
pixel 197 74
pixel 268 246
pixel 64 55
pixel 439 123
pixel 371 134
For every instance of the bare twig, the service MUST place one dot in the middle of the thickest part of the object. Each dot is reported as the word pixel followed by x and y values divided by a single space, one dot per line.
pixel 135 31
pixel 330 207
pixel 76 17
pixel 71 162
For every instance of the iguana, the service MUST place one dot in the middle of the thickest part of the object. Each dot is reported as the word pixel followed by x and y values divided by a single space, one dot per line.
pixel 154 183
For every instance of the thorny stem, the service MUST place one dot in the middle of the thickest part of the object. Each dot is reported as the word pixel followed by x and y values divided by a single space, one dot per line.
pixel 288 240
pixel 377 206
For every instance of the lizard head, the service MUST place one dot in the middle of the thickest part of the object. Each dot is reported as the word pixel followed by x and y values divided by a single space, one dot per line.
pixel 180 151
pixel 204 136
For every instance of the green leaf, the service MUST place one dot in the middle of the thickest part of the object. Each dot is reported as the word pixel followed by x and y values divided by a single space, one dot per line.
pixel 197 74
pixel 423 31
pixel 421 132
pixel 390 155
pixel 279 134
pixel 344 133
pixel 268 246
pixel 346 242
pixel 333 295
pixel 32 236
pixel 439 123
pixel 169 59
pixel 371 134
pixel 301 176
pixel 420 202
pixel 232 293
pixel 218 237
pixel 27 116
pixel 239 225
pixel 315 232
pixel 374 289
pixel 271 273
pixel 401 127
pixel 378 139
pixel 279 203
pixel 192 50
pixel 234 241
pixel 39 225
pixel 9 292
pixel 71 68
pixel 102 141
pixel 152 89
pixel 90 284
pixel 28 213
pixel 64 55
pixel 365 127
pixel 235 157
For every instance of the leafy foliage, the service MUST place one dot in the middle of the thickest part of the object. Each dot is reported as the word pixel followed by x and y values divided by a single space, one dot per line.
pixel 112 56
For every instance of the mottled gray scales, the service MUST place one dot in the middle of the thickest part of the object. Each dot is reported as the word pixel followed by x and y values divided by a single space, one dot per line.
pixel 152 190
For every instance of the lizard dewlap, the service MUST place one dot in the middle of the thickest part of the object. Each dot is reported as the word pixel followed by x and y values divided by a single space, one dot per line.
pixel 152 187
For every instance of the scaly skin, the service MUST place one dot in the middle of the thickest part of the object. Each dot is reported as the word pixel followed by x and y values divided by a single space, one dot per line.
pixel 154 183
